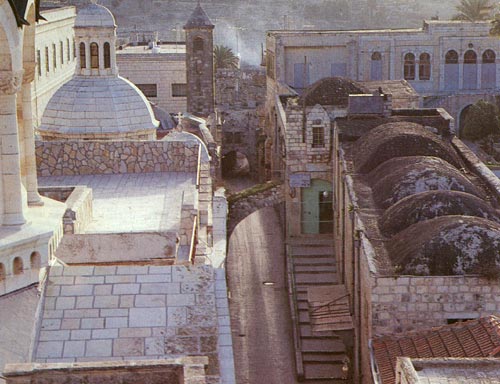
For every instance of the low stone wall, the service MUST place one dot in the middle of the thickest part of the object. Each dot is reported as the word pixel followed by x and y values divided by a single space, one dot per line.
pixel 252 199
pixel 406 303
pixel 186 370
pixel 58 158
pixel 78 201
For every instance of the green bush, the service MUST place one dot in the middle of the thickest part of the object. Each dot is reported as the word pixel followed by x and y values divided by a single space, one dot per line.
pixel 481 120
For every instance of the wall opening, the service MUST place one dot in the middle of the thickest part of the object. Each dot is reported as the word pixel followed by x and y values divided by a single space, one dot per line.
pixel 35 261
pixel 17 266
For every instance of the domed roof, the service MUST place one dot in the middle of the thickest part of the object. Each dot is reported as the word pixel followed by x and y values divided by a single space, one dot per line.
pixel 429 205
pixel 400 139
pixel 95 15
pixel 448 245
pixel 98 105
pixel 404 176
pixel 332 91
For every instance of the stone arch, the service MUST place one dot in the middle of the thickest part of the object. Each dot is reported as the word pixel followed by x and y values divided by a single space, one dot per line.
pixel 235 163
pixel 409 66
pixel 17 266
pixel 94 55
pixel 424 66
pixel 107 55
pixel 35 260
pixel 451 69
pixel 488 69
pixel 83 56
pixel 376 66
pixel 470 69
pixel 461 119
pixel 9 38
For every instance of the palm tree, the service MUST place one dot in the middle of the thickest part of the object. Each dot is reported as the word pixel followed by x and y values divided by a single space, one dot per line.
pixel 495 30
pixel 473 10
pixel 225 58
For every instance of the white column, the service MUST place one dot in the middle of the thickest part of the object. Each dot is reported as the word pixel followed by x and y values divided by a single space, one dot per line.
pixel 29 139
pixel 101 56
pixel 12 191
pixel 460 73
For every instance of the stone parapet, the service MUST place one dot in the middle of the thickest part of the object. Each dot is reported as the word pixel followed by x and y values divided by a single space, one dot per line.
pixel 58 158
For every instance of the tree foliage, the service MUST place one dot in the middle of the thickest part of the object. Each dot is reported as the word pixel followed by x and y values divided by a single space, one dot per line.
pixel 481 120
pixel 224 57
pixel 473 10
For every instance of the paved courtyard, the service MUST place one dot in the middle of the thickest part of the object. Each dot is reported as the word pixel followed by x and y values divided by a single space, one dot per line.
pixel 133 202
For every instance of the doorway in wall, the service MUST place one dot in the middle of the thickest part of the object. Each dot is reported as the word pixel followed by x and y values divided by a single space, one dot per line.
pixel 317 208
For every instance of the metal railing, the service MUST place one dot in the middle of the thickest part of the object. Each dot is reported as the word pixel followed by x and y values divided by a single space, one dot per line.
pixel 194 240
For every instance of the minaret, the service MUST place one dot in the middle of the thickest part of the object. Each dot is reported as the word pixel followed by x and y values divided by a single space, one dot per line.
pixel 200 64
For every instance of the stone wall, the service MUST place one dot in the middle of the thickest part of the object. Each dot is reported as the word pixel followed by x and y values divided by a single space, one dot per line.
pixel 240 88
pixel 57 158
pixel 250 200
pixel 186 370
pixel 407 303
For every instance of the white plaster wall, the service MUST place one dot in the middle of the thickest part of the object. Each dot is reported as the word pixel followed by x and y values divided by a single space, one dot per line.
pixel 57 28
pixel 160 69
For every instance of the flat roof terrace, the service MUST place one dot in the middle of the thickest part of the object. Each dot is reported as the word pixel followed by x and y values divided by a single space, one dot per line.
pixel 134 202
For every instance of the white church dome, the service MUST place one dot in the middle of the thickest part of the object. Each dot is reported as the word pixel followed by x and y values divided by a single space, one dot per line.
pixel 94 15
pixel 99 108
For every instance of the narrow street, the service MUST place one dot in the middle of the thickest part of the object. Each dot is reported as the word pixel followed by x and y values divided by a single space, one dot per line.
pixel 260 313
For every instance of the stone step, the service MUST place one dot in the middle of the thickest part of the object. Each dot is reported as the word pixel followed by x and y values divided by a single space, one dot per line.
pixel 321 344
pixel 312 251
pixel 315 371
pixel 306 330
pixel 330 268
pixel 314 261
pixel 316 278
pixel 319 357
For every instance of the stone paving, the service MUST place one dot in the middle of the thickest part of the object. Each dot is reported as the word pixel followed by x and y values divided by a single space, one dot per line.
pixel 105 313
pixel 260 314
pixel 134 202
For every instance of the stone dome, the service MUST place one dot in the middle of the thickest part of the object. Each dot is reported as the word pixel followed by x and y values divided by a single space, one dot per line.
pixel 401 139
pixel 429 205
pixel 448 245
pixel 400 177
pixel 95 15
pixel 98 108
pixel 332 91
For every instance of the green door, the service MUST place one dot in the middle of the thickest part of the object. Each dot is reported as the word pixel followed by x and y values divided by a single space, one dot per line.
pixel 317 208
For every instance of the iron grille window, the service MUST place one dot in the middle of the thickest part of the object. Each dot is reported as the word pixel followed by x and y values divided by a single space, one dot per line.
pixel 47 64
pixel 318 137
pixel 424 67
pixel 94 56
pixel 39 62
pixel 54 56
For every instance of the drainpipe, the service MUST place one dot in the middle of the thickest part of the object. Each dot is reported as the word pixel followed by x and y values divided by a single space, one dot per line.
pixel 357 242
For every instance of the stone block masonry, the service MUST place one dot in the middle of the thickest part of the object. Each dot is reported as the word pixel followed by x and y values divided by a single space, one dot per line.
pixel 65 158
pixel 407 303
pixel 135 312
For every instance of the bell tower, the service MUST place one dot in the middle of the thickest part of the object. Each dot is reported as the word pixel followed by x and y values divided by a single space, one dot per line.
pixel 200 63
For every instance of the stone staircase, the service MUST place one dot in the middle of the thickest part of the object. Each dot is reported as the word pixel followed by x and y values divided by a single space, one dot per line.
pixel 321 353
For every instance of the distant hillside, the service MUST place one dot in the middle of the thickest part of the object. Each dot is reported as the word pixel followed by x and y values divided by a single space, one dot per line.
pixel 242 25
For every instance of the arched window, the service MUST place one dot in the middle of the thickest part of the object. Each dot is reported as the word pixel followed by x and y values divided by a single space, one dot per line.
pixel 470 70
pixel 376 66
pixel 489 69
pixel 409 66
pixel 94 55
pixel 198 44
pixel 2 272
pixel 424 67
pixel 451 70
pixel 17 266
pixel 83 56
pixel 107 55
pixel 35 261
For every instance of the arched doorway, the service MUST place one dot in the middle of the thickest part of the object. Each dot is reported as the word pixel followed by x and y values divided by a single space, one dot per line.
pixel 461 120
pixel 235 164
pixel 317 208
